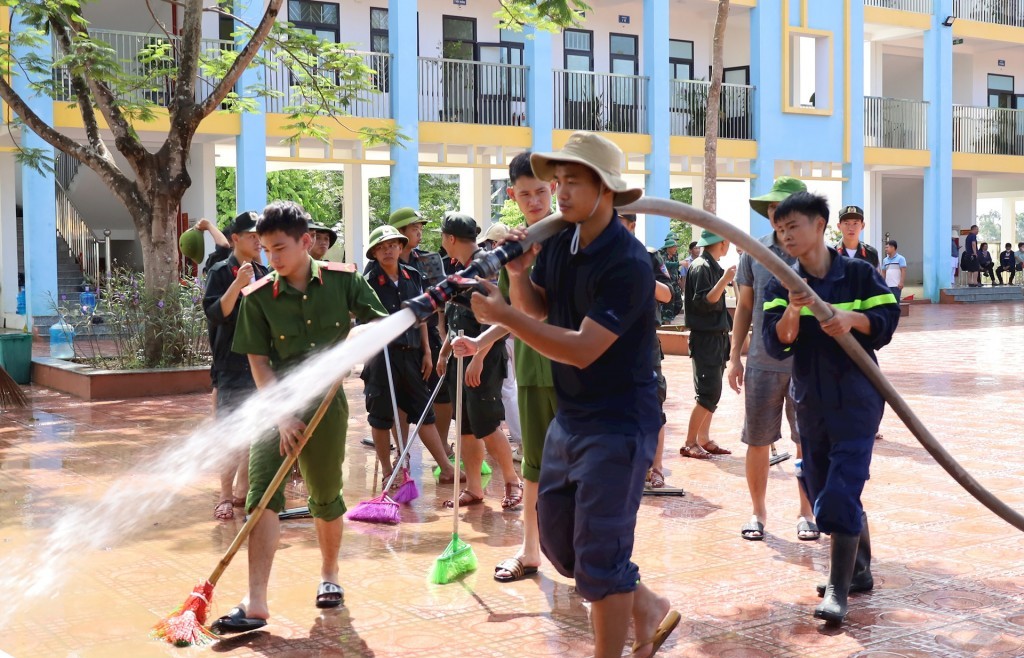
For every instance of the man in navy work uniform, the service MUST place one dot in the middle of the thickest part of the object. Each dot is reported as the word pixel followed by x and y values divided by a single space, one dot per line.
pixel 595 287
pixel 837 408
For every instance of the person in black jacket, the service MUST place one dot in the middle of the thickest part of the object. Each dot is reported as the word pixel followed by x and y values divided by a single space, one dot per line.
pixel 1007 263
pixel 837 409
pixel 230 371
pixel 985 263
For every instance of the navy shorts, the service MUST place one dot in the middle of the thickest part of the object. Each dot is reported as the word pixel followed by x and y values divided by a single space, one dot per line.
pixel 589 493
pixel 410 391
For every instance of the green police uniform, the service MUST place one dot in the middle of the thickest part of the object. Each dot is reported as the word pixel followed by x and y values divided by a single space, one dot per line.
pixel 278 321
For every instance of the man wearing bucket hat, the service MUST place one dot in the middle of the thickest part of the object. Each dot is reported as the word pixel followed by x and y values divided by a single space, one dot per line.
pixel 323 239
pixel 594 285
pixel 410 223
pixel 766 379
pixel 411 361
pixel 709 323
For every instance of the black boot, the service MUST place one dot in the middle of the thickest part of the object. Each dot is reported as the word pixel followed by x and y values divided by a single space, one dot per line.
pixel 862 579
pixel 844 560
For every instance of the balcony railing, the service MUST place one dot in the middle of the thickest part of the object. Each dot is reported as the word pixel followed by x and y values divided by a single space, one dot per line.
pixel 154 86
pixel 895 123
pixel 988 130
pixel 460 91
pixel 373 104
pixel 1000 12
pixel 688 109
pixel 600 101
pixel 917 6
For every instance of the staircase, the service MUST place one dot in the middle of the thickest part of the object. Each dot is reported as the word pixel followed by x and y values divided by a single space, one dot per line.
pixel 983 295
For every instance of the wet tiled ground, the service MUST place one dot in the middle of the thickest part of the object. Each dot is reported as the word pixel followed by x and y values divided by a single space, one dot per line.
pixel 949 575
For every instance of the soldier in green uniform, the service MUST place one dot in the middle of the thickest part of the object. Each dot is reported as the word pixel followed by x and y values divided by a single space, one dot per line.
pixel 302 306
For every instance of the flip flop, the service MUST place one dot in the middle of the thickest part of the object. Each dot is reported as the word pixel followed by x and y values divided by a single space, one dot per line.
pixel 665 628
pixel 515 569
pixel 805 526
pixel 715 449
pixel 748 531
pixel 327 589
pixel 236 622
pixel 224 510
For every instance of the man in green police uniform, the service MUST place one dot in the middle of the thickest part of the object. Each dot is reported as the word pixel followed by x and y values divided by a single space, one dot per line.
pixel 302 306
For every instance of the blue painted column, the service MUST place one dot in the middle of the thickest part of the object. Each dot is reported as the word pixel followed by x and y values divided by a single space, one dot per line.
pixel 853 165
pixel 403 37
pixel 251 143
pixel 938 178
pixel 38 204
pixel 766 77
pixel 655 46
pixel 540 88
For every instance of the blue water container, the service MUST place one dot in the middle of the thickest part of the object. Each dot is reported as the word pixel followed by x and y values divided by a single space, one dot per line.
pixel 62 340
pixel 87 300
pixel 21 301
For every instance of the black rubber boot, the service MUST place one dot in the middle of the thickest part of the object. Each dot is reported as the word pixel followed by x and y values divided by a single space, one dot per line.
pixel 862 579
pixel 844 560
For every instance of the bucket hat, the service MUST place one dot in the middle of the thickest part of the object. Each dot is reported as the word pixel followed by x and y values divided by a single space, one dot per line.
pixel 496 232
pixel 670 242
pixel 320 228
pixel 383 234
pixel 707 238
pixel 405 216
pixel 593 151
pixel 784 187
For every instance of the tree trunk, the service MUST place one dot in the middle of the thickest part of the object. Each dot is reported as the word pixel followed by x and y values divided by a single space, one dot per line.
pixel 712 120
pixel 159 238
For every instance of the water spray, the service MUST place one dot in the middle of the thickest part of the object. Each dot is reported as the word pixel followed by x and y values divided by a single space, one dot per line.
pixel 823 312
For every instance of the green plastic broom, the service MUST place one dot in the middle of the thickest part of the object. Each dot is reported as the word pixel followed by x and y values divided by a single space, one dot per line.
pixel 458 558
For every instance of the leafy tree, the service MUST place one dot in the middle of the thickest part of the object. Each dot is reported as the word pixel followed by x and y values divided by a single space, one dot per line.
pixel 439 193
pixel 320 192
pixel 511 215
pixel 682 230
pixel 990 227
pixel 711 121
pixel 115 97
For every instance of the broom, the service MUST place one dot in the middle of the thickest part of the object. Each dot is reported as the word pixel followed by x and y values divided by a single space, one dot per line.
pixel 11 395
pixel 384 508
pixel 185 626
pixel 458 557
pixel 408 491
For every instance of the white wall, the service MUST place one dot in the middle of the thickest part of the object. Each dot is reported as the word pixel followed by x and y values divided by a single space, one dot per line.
pixel 902 77
pixel 963 79
pixel 965 202
pixel 131 16
pixel 902 213
pixel 988 62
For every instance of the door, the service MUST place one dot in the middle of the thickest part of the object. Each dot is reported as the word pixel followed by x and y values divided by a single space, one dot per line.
pixel 581 109
pixel 458 80
pixel 623 92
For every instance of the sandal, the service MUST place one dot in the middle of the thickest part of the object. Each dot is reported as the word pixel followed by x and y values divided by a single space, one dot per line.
pixel 665 628
pixel 329 595
pixel 236 622
pixel 715 449
pixel 514 570
pixel 465 499
pixel 753 531
pixel 694 452
pixel 807 530
pixel 655 479
pixel 513 496
pixel 224 510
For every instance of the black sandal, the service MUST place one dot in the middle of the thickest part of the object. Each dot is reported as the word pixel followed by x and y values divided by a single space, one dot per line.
pixel 236 622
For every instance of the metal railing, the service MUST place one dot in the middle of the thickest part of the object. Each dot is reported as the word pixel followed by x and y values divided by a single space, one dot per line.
pixel 1001 12
pixel 155 84
pixel 688 108
pixel 460 91
pixel 917 6
pixel 81 242
pixel 600 101
pixel 988 130
pixel 895 123
pixel 65 168
pixel 374 104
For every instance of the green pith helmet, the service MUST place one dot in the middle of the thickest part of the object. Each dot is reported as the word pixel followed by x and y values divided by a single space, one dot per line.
pixel 707 238
pixel 192 245
pixel 404 217
pixel 383 234
pixel 782 189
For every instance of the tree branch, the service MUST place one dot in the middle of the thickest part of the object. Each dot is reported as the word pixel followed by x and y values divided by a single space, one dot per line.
pixel 156 20
pixel 80 87
pixel 245 57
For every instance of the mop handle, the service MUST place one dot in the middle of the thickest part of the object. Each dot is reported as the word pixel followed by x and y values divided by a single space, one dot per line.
pixel 458 439
pixel 415 431
pixel 394 405
pixel 282 472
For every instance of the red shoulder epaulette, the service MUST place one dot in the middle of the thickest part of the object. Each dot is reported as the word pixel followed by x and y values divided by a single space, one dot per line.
pixel 339 267
pixel 256 285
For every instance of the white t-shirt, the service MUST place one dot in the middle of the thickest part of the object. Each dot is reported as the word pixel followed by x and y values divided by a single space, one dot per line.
pixel 892 267
pixel 851 253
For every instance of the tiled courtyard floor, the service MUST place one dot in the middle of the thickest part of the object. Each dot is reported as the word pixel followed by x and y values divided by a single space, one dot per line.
pixel 949 575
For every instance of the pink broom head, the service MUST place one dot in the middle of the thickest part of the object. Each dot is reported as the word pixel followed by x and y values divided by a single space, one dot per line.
pixel 408 492
pixel 381 509
pixel 185 626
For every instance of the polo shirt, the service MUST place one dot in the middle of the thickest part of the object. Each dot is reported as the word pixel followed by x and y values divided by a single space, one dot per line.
pixel 611 282
pixel 753 274
pixel 971 244
pixel 891 266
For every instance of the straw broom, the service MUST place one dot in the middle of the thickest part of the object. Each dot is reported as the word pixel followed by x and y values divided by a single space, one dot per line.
pixel 458 558
pixel 11 395
pixel 185 626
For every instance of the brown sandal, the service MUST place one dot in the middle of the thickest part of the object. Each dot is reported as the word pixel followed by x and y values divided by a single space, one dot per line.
pixel 224 511
pixel 513 496
pixel 715 449
pixel 655 479
pixel 694 452
pixel 465 499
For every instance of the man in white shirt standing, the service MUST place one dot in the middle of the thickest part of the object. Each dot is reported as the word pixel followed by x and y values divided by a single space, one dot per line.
pixel 894 269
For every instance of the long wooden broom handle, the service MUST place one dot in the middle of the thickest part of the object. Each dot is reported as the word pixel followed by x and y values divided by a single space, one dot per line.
pixel 279 477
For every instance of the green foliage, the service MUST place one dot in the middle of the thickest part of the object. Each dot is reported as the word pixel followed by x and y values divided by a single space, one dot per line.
pixel 990 227
pixel 511 216
pixel 439 193
pixel 131 314
pixel 319 192
pixel 548 15
pixel 682 230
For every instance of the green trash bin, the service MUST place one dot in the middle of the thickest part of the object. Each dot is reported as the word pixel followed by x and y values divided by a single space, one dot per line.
pixel 16 355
